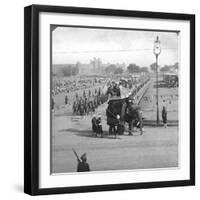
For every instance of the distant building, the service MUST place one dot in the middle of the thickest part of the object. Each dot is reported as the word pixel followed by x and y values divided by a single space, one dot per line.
pixel 96 65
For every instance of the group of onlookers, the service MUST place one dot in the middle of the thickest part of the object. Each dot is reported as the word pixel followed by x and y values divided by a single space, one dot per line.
pixel 66 85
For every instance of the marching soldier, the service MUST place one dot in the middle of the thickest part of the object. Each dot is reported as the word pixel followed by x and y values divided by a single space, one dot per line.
pixel 81 108
pixel 99 92
pixel 66 100
pixel 82 166
pixel 84 94
pixel 89 93
pixel 74 107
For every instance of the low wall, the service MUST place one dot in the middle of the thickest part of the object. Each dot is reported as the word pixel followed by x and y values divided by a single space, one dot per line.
pixel 153 123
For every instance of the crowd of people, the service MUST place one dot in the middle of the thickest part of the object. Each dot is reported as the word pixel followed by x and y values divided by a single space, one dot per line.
pixel 139 86
pixel 66 85
pixel 86 96
pixel 121 110
pixel 115 88
pixel 88 102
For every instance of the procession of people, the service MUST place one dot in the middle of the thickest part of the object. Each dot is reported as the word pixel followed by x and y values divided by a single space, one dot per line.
pixel 121 110
pixel 69 85
pixel 88 102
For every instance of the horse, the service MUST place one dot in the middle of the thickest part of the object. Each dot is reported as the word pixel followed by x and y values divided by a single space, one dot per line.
pixel 132 114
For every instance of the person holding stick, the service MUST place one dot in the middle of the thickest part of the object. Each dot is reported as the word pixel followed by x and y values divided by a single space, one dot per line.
pixel 82 166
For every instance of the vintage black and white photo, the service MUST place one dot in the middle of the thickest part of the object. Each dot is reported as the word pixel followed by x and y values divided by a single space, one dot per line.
pixel 109 99
pixel 114 99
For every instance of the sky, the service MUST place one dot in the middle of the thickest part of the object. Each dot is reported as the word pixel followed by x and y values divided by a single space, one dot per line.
pixel 73 44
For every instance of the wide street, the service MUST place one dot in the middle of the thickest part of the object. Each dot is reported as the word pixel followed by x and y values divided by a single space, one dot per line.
pixel 156 148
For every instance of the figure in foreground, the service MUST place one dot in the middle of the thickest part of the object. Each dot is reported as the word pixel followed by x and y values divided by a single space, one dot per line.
pixel 82 166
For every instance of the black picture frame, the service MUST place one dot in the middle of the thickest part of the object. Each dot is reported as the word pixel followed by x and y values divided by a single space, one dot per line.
pixel 31 98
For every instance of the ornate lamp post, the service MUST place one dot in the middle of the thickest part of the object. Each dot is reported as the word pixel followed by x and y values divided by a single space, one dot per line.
pixel 157 51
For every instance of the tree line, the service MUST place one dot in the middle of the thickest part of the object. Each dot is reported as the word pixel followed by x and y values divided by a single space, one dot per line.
pixel 72 70
pixel 133 68
pixel 165 68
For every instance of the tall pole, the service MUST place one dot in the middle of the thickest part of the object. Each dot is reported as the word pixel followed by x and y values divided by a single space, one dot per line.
pixel 157 51
pixel 157 106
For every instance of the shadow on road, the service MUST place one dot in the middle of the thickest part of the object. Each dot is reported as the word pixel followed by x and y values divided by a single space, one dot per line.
pixel 89 133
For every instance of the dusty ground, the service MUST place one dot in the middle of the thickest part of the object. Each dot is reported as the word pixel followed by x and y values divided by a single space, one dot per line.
pixel 156 148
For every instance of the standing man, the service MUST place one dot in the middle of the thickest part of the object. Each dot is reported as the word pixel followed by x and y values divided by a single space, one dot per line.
pixel 66 100
pixel 99 126
pixel 89 93
pixel 52 104
pixel 164 116
pixel 94 125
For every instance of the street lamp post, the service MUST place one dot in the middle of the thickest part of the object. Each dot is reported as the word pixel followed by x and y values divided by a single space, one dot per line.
pixel 157 51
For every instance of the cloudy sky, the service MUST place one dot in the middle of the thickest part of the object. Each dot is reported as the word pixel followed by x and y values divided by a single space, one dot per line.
pixel 72 44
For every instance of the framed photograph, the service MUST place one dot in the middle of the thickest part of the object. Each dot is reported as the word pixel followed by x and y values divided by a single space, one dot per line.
pixel 109 99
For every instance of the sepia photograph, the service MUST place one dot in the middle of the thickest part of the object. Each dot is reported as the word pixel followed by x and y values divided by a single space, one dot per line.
pixel 114 99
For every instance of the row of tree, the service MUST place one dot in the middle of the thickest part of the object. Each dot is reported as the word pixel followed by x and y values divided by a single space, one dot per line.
pixel 165 68
pixel 71 70
pixel 168 68
pixel 133 68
